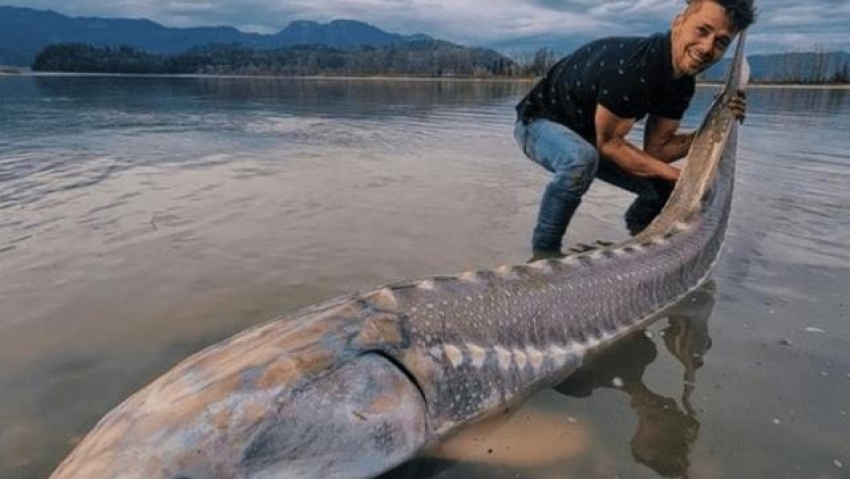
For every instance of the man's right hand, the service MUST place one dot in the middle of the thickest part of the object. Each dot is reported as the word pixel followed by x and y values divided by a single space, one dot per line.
pixel 611 131
pixel 738 105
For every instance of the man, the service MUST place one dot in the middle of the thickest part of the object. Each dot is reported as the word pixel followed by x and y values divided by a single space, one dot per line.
pixel 574 122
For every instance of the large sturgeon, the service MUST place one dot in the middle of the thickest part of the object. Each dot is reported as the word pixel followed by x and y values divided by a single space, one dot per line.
pixel 352 387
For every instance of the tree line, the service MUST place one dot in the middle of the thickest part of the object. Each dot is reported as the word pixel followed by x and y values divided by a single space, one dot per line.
pixel 420 58
pixel 816 65
pixel 429 58
pixel 813 66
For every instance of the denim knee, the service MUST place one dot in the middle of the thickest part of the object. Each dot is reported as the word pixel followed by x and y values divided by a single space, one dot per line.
pixel 576 172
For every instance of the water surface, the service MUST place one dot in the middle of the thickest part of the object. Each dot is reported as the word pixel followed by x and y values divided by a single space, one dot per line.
pixel 144 218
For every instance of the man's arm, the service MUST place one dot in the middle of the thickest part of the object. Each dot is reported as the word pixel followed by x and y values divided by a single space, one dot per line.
pixel 661 140
pixel 611 131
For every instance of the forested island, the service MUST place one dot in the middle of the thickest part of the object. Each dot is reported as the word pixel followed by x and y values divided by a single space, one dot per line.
pixel 432 58
pixel 420 58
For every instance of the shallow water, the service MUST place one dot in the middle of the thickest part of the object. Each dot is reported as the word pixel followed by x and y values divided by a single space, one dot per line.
pixel 144 218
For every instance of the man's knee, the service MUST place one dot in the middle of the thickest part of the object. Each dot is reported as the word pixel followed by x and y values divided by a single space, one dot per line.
pixel 578 171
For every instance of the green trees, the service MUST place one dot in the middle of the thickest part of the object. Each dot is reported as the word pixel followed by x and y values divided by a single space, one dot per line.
pixel 78 57
pixel 418 58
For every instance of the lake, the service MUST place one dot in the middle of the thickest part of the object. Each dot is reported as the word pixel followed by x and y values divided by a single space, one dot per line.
pixel 143 218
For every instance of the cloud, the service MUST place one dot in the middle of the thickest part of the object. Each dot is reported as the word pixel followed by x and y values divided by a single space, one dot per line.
pixel 783 24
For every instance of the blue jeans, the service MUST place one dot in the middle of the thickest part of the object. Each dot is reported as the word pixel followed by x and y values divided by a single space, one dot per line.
pixel 575 163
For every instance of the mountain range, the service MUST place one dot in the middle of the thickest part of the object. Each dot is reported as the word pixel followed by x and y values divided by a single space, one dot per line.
pixel 24 32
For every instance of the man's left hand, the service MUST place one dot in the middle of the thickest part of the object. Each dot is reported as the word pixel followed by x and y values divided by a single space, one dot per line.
pixel 738 105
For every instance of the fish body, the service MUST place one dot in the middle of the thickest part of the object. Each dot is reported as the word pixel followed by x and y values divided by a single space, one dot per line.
pixel 353 387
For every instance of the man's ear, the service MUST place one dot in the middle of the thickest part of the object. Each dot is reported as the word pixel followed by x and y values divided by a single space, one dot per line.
pixel 677 20
pixel 680 17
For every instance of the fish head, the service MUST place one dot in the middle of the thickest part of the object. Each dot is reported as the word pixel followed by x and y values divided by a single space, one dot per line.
pixel 355 421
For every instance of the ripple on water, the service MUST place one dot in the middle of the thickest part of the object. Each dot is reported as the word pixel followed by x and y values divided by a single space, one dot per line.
pixel 30 185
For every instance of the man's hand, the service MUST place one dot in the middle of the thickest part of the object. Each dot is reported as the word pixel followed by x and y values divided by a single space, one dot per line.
pixel 611 131
pixel 738 105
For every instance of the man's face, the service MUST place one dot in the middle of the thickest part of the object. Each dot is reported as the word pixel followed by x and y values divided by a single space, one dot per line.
pixel 700 36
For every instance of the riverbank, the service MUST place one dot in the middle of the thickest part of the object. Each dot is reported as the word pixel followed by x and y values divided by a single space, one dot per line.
pixel 825 86
pixel 13 70
pixel 386 78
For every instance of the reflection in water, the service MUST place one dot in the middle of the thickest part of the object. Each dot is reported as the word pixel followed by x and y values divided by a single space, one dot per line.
pixel 799 102
pixel 75 132
pixel 542 437
pixel 665 432
pixel 337 98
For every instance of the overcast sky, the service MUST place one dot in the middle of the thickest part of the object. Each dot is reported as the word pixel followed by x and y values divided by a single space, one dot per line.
pixel 783 25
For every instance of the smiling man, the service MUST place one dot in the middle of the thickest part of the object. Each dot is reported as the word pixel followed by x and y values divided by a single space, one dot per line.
pixel 575 120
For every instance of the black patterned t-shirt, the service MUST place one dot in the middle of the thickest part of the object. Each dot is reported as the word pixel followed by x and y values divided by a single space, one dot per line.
pixel 631 76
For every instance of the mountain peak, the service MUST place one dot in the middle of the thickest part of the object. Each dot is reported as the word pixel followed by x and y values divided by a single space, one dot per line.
pixel 337 33
pixel 343 21
pixel 302 24
pixel 25 31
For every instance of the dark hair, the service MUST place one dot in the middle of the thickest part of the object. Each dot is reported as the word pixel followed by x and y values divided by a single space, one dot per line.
pixel 742 12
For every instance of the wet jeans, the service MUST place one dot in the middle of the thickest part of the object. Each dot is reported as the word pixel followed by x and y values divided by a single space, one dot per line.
pixel 575 163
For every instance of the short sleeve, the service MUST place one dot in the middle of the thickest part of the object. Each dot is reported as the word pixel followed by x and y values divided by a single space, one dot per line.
pixel 674 104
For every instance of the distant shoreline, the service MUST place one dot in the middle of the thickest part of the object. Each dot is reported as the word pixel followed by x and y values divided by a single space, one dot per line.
pixel 829 86
pixel 280 77
pixel 796 86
